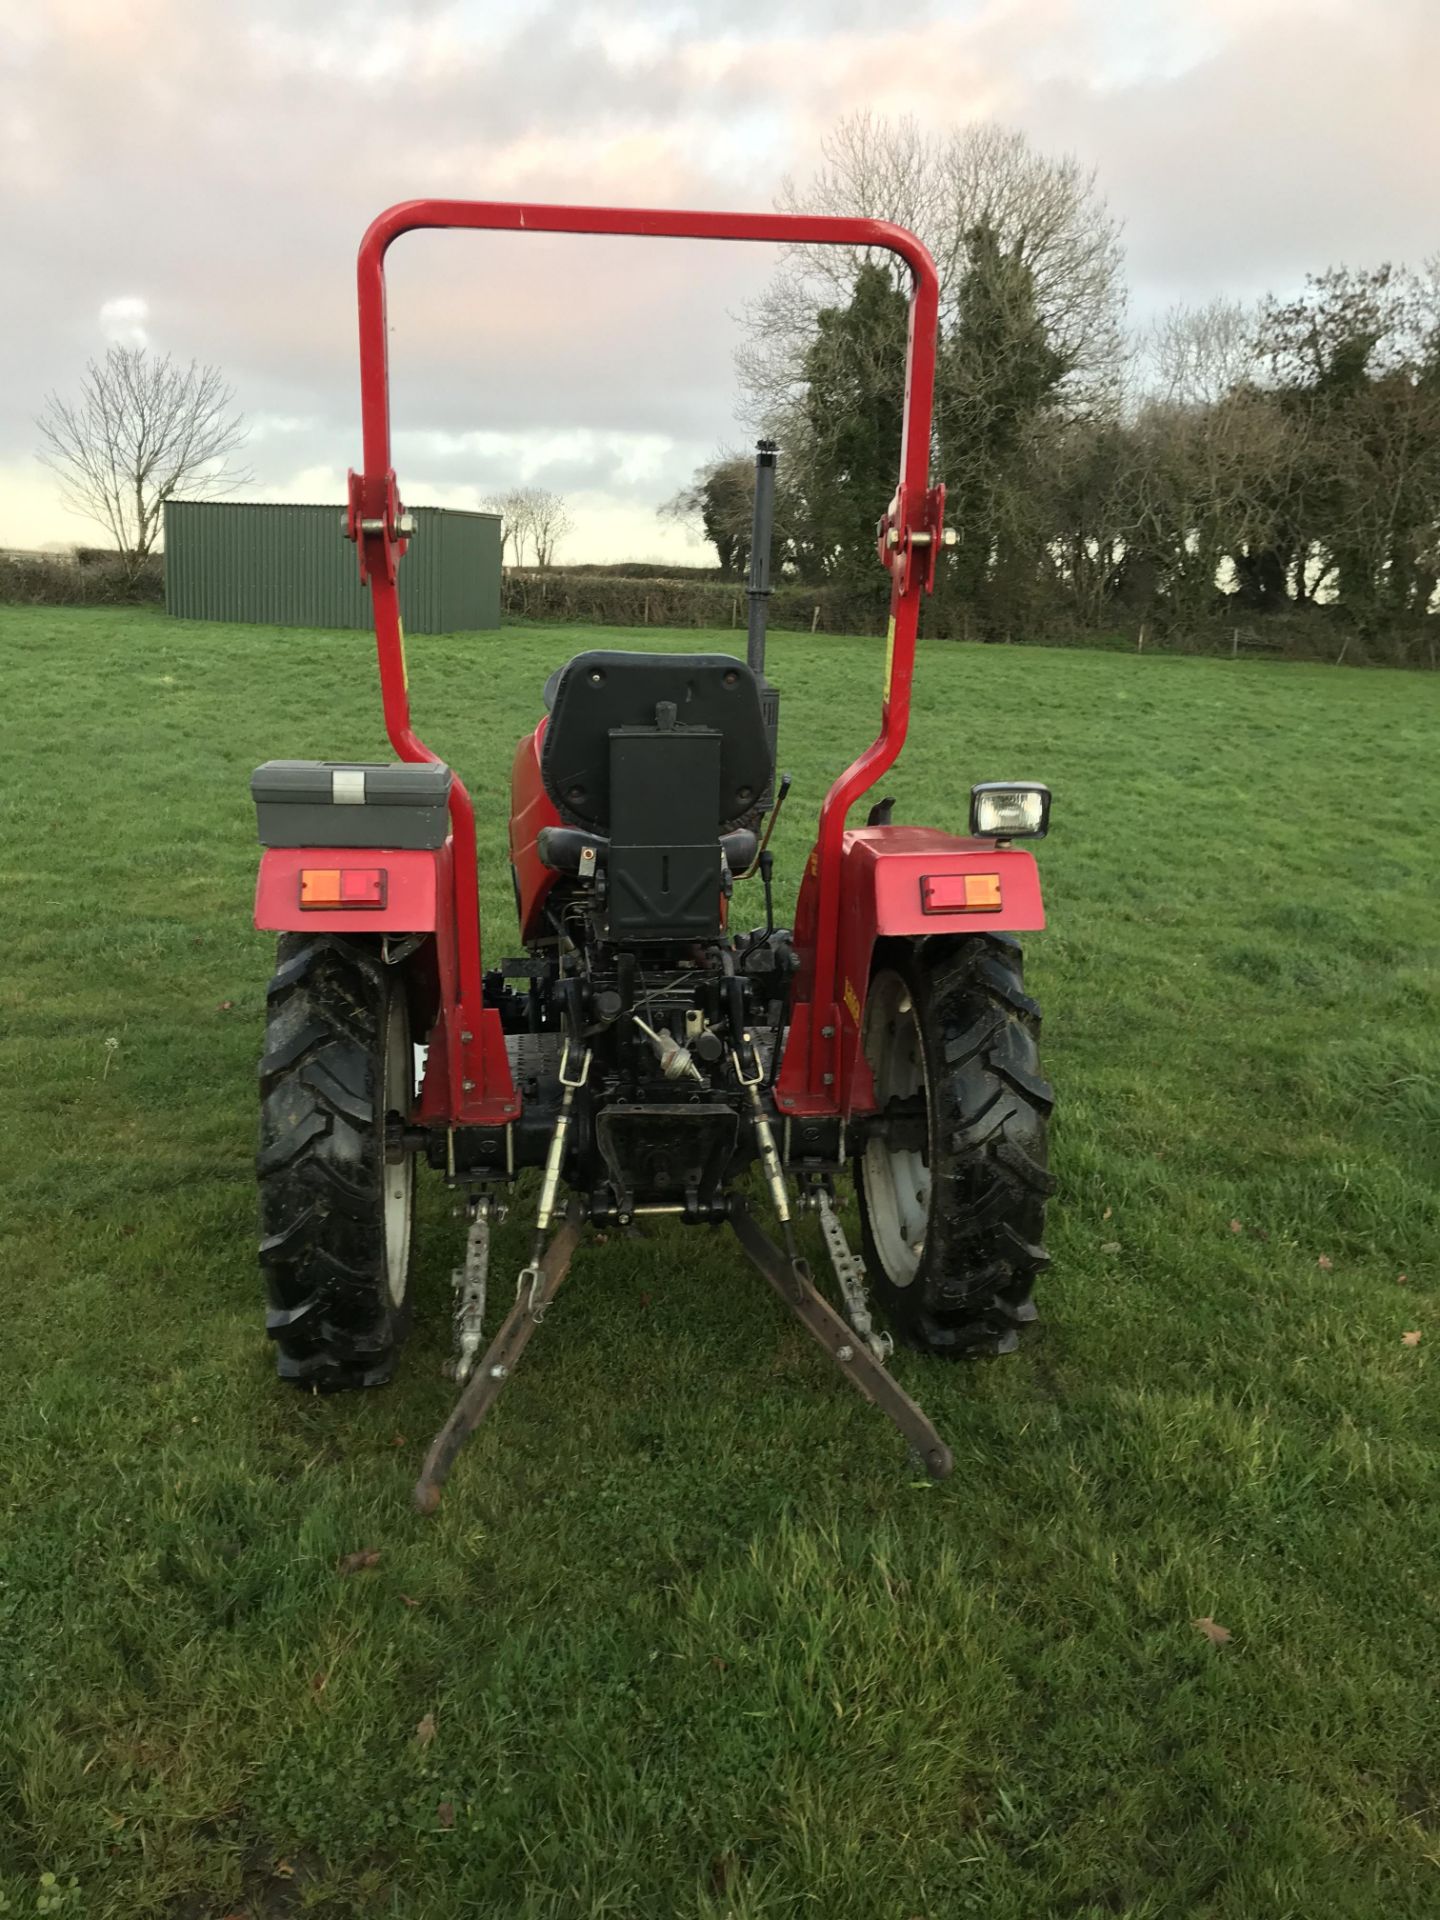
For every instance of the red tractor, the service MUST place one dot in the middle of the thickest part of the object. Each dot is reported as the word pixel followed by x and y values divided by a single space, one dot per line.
pixel 643 1054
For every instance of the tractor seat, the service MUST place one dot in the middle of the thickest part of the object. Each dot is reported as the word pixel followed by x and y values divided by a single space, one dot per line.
pixel 602 697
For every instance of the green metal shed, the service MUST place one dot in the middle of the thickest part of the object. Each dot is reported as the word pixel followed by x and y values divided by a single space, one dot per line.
pixel 291 566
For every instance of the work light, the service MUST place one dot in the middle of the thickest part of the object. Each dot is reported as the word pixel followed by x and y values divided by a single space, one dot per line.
pixel 1010 810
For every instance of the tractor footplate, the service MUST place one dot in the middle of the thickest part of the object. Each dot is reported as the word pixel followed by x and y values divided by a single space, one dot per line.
pixel 538 1287
pixel 792 1280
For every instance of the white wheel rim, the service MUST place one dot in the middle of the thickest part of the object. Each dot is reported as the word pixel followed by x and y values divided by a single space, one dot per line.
pixel 398 1175
pixel 896 1179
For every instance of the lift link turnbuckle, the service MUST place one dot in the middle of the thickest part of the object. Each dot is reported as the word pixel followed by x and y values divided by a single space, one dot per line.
pixel 555 1158
pixel 764 1132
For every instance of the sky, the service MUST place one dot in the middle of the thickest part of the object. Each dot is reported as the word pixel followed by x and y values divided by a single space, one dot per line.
pixel 194 177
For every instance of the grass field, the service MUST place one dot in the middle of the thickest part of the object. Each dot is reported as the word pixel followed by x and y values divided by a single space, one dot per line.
pixel 693 1638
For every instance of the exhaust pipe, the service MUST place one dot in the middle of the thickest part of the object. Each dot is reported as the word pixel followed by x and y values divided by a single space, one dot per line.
pixel 762 537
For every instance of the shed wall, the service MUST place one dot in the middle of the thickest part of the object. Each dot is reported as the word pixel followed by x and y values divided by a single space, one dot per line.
pixel 290 566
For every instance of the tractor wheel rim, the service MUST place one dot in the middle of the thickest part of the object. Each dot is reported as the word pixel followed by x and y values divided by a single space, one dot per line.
pixel 897 1179
pixel 398 1175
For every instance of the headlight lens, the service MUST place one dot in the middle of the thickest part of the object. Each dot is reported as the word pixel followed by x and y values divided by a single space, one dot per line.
pixel 1010 810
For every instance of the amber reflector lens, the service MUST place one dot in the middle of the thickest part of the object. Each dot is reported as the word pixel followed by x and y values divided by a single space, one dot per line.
pixel 342 887
pixel 960 893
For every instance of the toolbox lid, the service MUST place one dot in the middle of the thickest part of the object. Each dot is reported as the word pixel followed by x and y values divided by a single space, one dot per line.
pixel 397 783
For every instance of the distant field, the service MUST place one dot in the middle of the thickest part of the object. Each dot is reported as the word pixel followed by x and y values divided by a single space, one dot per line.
pixel 694 1639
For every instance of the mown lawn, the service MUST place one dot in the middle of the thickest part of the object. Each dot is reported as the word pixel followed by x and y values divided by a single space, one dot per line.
pixel 695 1638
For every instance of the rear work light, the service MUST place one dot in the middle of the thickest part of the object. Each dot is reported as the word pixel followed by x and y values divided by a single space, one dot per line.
pixel 1010 810
pixel 340 888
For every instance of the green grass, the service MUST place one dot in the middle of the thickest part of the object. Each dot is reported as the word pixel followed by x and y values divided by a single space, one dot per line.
pixel 695 1640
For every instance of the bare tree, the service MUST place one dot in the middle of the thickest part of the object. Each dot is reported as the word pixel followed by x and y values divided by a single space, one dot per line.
pixel 1045 213
pixel 143 431
pixel 550 521
pixel 533 519
pixel 1200 354
pixel 514 511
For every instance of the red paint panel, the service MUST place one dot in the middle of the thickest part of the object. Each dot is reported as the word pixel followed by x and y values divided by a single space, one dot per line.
pixel 531 809
pixel 886 866
pixel 407 883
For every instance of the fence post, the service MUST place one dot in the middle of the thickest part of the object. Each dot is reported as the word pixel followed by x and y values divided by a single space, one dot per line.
pixel 815 617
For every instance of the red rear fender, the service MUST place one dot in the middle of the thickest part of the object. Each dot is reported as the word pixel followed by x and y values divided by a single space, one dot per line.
pixel 898 883
pixel 412 884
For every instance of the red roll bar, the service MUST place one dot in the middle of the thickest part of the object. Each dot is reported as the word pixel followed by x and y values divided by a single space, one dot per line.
pixel 910 534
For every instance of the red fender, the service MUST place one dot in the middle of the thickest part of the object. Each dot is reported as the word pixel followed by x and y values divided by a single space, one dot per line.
pixel 412 888
pixel 419 894
pixel 894 884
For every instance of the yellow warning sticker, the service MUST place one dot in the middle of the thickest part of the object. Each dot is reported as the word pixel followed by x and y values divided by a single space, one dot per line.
pixel 405 664
pixel 889 654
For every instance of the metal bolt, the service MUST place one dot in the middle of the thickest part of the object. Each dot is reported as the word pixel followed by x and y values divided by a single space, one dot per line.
pixel 467 1038
pixel 498 1373
pixel 827 1033
pixel 468 1085
pixel 827 1079
pixel 844 1353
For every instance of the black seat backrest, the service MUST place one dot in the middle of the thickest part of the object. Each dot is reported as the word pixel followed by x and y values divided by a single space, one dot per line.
pixel 599 692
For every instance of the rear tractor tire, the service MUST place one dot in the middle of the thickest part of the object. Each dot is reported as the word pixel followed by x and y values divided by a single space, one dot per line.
pixel 336 1214
pixel 952 1189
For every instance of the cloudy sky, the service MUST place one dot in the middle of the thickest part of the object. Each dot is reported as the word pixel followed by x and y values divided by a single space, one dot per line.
pixel 195 176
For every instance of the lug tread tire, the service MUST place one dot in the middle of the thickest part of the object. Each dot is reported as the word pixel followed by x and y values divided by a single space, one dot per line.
pixel 321 1166
pixel 990 1107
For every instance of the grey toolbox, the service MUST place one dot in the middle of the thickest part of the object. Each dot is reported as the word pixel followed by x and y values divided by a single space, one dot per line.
pixel 319 803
